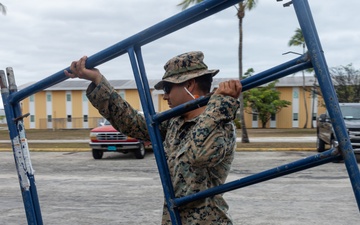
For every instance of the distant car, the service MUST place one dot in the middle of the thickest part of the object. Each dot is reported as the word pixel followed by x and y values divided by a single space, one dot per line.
pixel 106 139
pixel 325 132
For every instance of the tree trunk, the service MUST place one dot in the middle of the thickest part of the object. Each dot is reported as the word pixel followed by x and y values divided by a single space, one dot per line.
pixel 312 111
pixel 313 101
pixel 305 104
pixel 304 95
pixel 241 14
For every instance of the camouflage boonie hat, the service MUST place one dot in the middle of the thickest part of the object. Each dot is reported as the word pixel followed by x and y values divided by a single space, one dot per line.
pixel 184 67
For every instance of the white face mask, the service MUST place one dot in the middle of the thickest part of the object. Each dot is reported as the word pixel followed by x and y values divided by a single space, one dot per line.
pixel 189 93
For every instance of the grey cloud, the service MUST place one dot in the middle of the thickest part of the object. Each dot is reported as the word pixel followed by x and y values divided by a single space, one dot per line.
pixel 40 38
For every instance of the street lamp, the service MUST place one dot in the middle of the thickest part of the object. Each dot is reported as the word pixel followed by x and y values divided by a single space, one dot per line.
pixel 286 4
pixel 303 75
pixel 296 53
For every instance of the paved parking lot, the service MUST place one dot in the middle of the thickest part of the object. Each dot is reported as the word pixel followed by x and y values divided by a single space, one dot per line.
pixel 75 189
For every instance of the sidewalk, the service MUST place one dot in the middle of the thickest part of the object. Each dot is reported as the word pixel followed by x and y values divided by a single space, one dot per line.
pixel 309 139
pixel 280 139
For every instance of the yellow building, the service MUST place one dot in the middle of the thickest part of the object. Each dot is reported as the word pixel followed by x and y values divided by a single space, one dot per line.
pixel 65 106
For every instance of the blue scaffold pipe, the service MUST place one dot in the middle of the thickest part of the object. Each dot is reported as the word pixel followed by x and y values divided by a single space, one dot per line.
pixel 25 183
pixel 22 152
pixel 282 70
pixel 172 24
pixel 154 133
pixel 302 164
pixel 316 52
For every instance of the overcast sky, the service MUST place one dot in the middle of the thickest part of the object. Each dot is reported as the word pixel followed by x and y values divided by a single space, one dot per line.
pixel 40 37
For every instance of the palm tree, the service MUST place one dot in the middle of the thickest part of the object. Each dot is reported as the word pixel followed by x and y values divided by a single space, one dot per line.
pixel 2 9
pixel 313 96
pixel 186 3
pixel 243 6
pixel 298 40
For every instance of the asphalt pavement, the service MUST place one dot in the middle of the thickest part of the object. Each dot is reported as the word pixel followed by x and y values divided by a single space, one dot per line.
pixel 75 189
pixel 253 139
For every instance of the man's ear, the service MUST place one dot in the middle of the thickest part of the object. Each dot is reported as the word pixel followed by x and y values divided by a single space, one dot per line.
pixel 191 85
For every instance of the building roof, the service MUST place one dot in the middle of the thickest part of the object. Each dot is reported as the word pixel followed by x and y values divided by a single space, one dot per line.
pixel 67 85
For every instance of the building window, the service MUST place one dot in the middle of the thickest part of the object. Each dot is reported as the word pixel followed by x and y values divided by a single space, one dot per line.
pixel 296 94
pixel 69 118
pixel 48 97
pixel 254 117
pixel 295 116
pixel 32 118
pixel 273 116
pixel 85 118
pixel 68 97
pixel 84 98
pixel 32 98
pixel 49 118
pixel 314 116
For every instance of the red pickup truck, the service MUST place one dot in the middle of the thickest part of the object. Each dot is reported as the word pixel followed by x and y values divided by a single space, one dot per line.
pixel 106 139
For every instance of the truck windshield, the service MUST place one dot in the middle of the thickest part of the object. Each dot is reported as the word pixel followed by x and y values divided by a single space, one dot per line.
pixel 351 112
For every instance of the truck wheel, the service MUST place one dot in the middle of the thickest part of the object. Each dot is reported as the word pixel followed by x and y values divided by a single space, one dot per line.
pixel 140 152
pixel 320 145
pixel 97 154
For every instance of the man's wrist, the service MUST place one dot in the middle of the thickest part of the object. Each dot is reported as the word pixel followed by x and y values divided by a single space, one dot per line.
pixel 97 79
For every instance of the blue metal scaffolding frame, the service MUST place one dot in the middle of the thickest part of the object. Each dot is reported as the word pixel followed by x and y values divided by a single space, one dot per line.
pixel 314 58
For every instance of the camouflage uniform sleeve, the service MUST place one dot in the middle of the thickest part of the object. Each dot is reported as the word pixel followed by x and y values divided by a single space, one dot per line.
pixel 211 138
pixel 117 111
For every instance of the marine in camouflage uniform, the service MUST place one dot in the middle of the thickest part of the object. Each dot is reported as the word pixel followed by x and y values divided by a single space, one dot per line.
pixel 199 151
